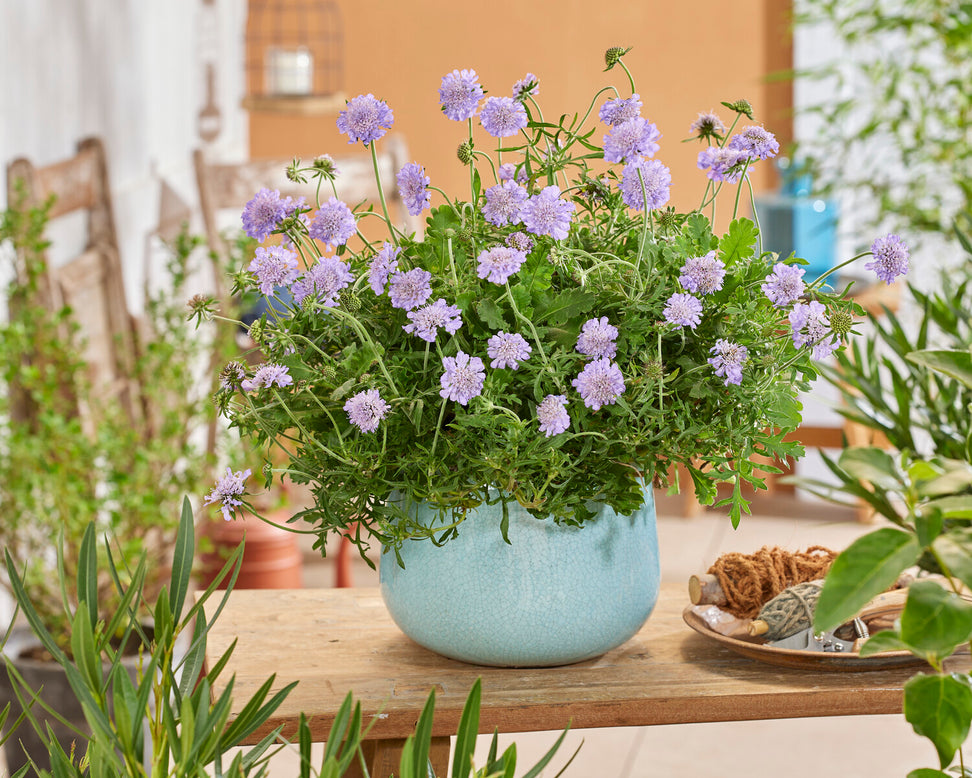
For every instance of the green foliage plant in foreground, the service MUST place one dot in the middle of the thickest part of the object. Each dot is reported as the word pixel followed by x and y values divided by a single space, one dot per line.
pixel 165 722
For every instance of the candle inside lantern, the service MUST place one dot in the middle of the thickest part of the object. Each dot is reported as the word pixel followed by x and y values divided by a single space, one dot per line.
pixel 289 71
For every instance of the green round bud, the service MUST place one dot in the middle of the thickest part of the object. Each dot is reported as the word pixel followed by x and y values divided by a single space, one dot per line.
pixel 841 322
pixel 742 106
pixel 613 55
pixel 256 331
pixel 668 220
pixel 464 233
pixel 465 152
pixel 328 374
pixel 350 301
pixel 654 370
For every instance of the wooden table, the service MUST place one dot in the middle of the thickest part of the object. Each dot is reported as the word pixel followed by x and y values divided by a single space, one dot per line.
pixel 337 640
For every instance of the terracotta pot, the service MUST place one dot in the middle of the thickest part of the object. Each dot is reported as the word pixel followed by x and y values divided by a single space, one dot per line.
pixel 271 556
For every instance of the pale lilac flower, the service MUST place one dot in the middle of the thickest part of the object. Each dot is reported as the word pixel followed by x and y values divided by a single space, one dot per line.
pixel 631 139
pixel 232 376
pixel 425 322
pixel 384 263
pixel 413 186
pixel 459 94
pixel 620 109
pixel 722 164
pixel 599 383
pixel 507 349
pixel 263 213
pixel 707 125
pixel 410 289
pixel 333 224
pixel 890 258
pixel 703 275
pixel 520 241
pixel 728 360
pixel 508 172
pixel 503 203
pixel 528 85
pixel 657 184
pixel 322 281
pixel 811 328
pixel 294 207
pixel 552 415
pixel 546 214
pixel 597 338
pixel 273 266
pixel 366 410
pixel 755 142
pixel 365 119
pixel 502 117
pixel 228 491
pixel 497 264
pixel 266 376
pixel 463 378
pixel 683 310
pixel 785 285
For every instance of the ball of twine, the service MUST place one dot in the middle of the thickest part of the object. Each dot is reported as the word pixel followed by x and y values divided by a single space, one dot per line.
pixel 750 580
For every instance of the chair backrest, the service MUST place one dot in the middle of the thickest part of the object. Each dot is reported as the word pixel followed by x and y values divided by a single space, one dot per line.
pixel 224 186
pixel 90 283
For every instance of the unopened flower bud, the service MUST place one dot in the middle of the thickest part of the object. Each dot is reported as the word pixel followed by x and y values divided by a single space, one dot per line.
pixel 256 331
pixel 741 106
pixel 294 174
pixel 841 323
pixel 231 376
pixel 267 473
pixel 668 220
pixel 465 152
pixel 464 233
pixel 325 164
pixel 328 374
pixel 613 56
pixel 350 301
pixel 201 307
pixel 654 370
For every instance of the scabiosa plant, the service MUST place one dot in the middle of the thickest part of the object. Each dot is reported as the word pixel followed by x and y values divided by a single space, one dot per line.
pixel 263 213
pixel 266 376
pixel 890 258
pixel 558 336
pixel 274 266
pixel 365 119
pixel 228 491
pixel 526 86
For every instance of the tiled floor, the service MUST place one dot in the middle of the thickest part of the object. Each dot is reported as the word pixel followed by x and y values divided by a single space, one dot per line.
pixel 848 747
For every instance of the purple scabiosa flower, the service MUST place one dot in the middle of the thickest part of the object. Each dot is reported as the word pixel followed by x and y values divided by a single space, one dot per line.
pixel 755 142
pixel 463 378
pixel 657 184
pixel 366 409
pixel 507 349
pixel 683 310
pixel 365 119
pixel 502 117
pixel 528 85
pixel 597 338
pixel 425 322
pixel 263 213
pixel 228 490
pixel 520 241
pixel 410 289
pixel 599 383
pixel 274 266
pixel 631 139
pixel 497 264
pixel 722 164
pixel 266 376
pixel 384 263
pixel 552 415
pixel 459 94
pixel 503 203
pixel 333 224
pixel 232 376
pixel 707 125
pixel 620 110
pixel 322 281
pixel 546 214
pixel 508 172
pixel 811 328
pixel 784 285
pixel 413 187
pixel 703 275
pixel 728 360
pixel 890 258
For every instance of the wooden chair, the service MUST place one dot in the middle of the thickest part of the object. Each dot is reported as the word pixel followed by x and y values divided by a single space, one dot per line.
pixel 90 283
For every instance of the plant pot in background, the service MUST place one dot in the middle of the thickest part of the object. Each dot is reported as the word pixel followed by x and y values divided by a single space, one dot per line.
pixel 553 596
pixel 271 555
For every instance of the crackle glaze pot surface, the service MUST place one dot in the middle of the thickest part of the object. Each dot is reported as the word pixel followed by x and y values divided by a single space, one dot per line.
pixel 553 596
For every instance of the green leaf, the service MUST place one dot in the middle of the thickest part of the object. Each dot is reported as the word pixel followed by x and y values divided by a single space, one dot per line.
pixel 182 560
pixel 466 734
pixel 954 363
pixel 85 654
pixel 869 566
pixel 423 737
pixel 939 707
pixel 886 640
pixel 88 575
pixel 959 507
pixel 935 621
pixel 567 305
pixel 927 772
pixel 738 242
pixel 867 463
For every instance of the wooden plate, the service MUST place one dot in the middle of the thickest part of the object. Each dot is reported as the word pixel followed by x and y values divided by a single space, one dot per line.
pixel 806 660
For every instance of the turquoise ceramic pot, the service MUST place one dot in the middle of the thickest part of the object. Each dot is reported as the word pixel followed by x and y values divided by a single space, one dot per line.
pixel 554 596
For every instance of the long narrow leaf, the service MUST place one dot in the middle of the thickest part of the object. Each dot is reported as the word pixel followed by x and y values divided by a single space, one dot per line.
pixel 88 575
pixel 467 732
pixel 182 561
pixel 423 736
pixel 30 613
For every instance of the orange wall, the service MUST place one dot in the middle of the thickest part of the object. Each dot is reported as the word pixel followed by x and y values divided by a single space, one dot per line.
pixel 686 57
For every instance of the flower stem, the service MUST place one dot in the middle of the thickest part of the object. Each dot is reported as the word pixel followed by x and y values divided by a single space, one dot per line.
pixel 628 73
pixel 835 268
pixel 381 193
pixel 438 426
pixel 366 339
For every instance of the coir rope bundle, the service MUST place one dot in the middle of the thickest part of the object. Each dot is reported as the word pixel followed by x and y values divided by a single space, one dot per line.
pixel 749 580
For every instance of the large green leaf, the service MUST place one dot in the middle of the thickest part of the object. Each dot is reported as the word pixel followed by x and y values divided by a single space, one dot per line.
pixel 934 622
pixel 182 560
pixel 867 463
pixel 954 550
pixel 466 733
pixel 886 640
pixel 955 363
pixel 928 772
pixel 869 566
pixel 738 242
pixel 958 507
pixel 940 708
